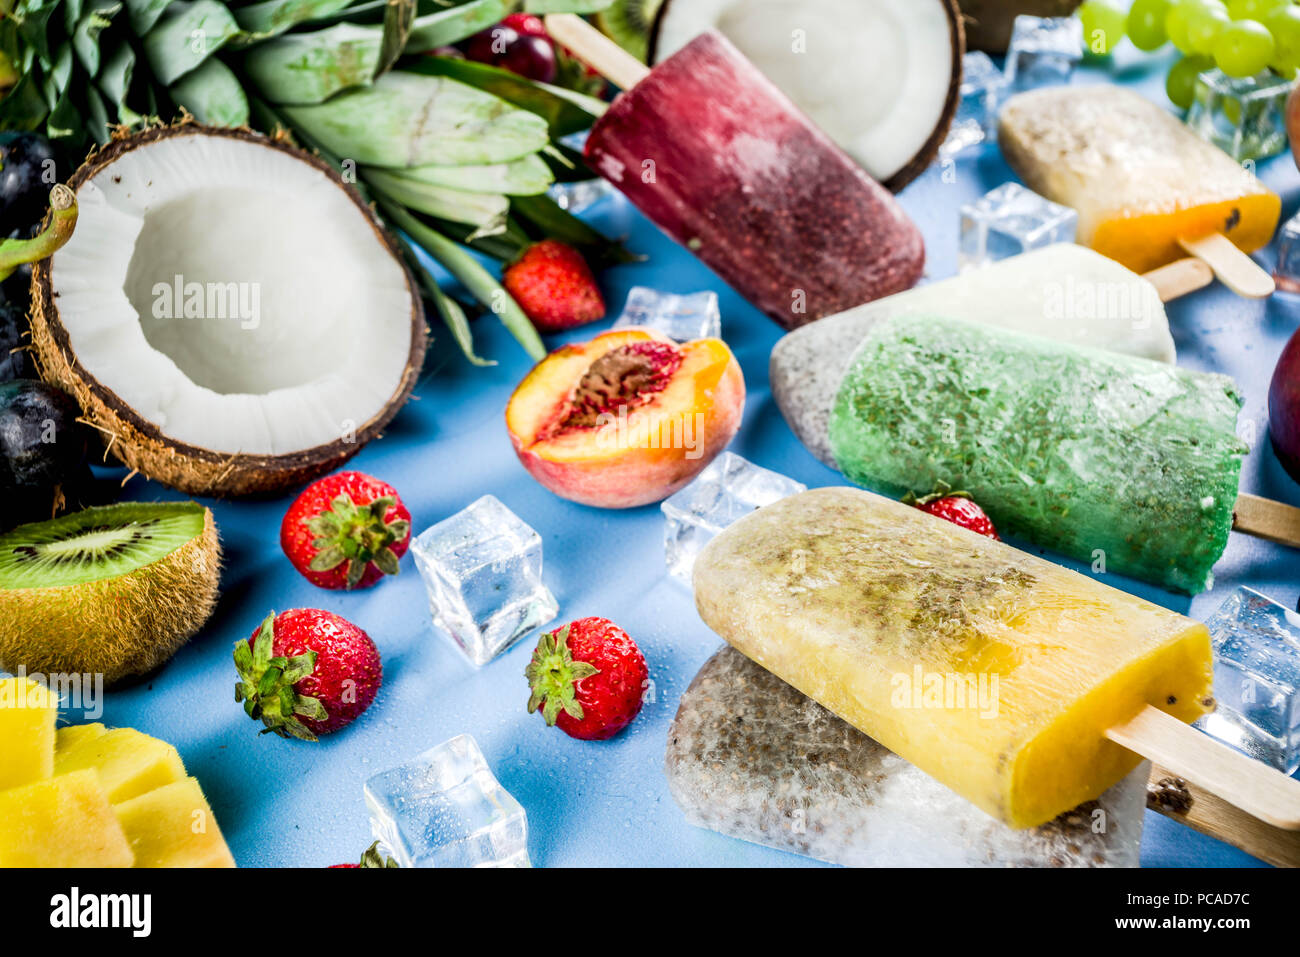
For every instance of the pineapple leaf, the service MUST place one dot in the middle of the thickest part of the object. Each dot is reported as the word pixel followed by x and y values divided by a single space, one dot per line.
pixel 85 36
pixel 553 221
pixel 33 25
pixel 451 26
pixel 453 315
pixel 457 124
pixel 471 275
pixel 23 107
pixel 522 177
pixel 309 68
pixel 143 14
pixel 484 210
pixel 273 17
pixel 564 110
pixel 188 34
pixel 398 17
pixel 213 94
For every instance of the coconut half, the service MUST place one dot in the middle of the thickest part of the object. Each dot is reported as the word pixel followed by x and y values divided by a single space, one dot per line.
pixel 229 313
pixel 881 77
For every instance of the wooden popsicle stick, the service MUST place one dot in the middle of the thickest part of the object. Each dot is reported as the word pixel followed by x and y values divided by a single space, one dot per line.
pixel 1234 268
pixel 596 50
pixel 1180 278
pixel 1245 783
pixel 1267 519
pixel 1179 800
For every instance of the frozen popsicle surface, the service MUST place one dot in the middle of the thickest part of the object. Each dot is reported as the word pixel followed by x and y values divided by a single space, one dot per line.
pixel 1065 292
pixel 1124 463
pixel 751 757
pixel 992 670
pixel 1138 178
pixel 722 161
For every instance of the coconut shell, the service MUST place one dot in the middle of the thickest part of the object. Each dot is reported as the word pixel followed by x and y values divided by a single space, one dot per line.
pixel 138 443
pixel 988 22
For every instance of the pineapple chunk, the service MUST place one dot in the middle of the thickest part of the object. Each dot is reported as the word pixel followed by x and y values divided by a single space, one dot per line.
pixel 66 821
pixel 129 763
pixel 27 714
pixel 173 826
pixel 75 734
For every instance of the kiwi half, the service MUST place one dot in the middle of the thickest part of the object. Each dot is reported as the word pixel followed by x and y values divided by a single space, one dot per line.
pixel 114 590
pixel 628 23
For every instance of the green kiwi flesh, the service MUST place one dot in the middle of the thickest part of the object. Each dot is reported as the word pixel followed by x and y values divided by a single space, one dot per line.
pixel 96 543
pixel 112 591
pixel 628 23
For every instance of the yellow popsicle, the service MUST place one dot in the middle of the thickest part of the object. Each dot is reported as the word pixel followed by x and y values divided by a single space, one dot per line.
pixel 1138 178
pixel 992 670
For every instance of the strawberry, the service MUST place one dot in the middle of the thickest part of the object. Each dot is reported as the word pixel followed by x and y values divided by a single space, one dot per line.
pixel 554 286
pixel 956 507
pixel 371 858
pixel 307 672
pixel 346 530
pixel 588 677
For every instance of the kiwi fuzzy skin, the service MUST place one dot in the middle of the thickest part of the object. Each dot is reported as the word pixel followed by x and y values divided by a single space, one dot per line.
pixel 117 627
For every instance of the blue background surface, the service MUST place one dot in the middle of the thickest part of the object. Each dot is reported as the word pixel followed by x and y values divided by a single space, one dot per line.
pixel 283 802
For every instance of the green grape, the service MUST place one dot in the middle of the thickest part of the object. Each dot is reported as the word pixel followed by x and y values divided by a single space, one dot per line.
pixel 1181 82
pixel 1146 24
pixel 1284 24
pixel 1103 25
pixel 1254 9
pixel 1243 48
pixel 1179 19
pixel 1204 27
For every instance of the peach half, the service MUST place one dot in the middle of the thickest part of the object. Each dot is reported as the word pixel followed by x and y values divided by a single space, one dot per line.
pixel 627 418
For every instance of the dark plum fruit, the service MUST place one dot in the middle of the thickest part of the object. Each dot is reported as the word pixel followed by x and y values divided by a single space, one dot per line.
pixel 528 55
pixel 15 360
pixel 1284 407
pixel 41 442
pixel 28 170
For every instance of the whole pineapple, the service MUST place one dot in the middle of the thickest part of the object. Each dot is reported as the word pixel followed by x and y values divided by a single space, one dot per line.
pixel 451 152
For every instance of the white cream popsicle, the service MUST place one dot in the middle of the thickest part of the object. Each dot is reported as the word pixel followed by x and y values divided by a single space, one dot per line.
pixel 1065 292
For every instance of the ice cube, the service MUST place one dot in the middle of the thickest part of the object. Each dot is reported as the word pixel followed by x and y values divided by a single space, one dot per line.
pixel 982 86
pixel 1008 221
pixel 682 317
pixel 752 758
pixel 730 488
pixel 483 571
pixel 446 809
pixel 1043 52
pixel 579 195
pixel 1243 116
pixel 1256 679
pixel 1287 271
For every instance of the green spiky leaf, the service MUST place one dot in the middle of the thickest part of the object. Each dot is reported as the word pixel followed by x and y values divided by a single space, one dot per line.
pixel 460 124
pixel 213 94
pixel 188 34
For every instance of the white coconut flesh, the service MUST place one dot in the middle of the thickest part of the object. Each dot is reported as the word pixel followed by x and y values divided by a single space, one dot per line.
pixel 874 74
pixel 301 329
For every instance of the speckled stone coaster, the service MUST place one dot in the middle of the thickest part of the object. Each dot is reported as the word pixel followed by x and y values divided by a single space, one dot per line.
pixel 751 757
pixel 806 369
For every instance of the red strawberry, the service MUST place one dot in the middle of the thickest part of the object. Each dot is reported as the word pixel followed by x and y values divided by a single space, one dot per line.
pixel 588 677
pixel 554 286
pixel 307 672
pixel 371 858
pixel 346 530
pixel 956 507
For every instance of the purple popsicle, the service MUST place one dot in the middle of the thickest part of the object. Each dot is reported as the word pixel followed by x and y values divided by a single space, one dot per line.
pixel 722 161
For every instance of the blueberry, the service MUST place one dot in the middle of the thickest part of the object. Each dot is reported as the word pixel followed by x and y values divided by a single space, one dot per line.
pixel 41 442
pixel 28 170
